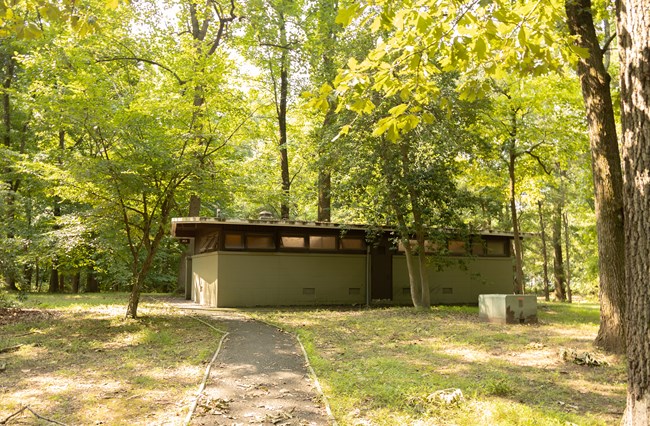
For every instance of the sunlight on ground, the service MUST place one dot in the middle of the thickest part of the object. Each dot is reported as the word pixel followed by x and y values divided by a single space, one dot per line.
pixel 89 365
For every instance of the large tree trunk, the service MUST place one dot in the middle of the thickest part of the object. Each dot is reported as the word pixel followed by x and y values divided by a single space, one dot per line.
pixel 75 282
pixel 54 280
pixel 544 252
pixel 569 294
pixel 519 271
pixel 282 124
pixel 558 263
pixel 634 41
pixel 608 180
pixel 324 195
pixel 92 285
pixel 9 273
pixel 194 211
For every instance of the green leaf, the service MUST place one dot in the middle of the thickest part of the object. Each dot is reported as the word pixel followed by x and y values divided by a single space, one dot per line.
pixel 521 36
pixel 480 48
pixel 382 126
pixel 398 110
pixel 346 14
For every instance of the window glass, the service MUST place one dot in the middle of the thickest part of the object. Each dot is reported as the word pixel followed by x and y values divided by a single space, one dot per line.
pixel 456 247
pixel 402 248
pixel 260 242
pixel 478 248
pixel 293 242
pixel 352 243
pixel 322 242
pixel 234 241
pixel 496 248
pixel 210 243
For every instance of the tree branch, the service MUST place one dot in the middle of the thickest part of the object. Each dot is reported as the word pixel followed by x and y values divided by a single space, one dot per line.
pixel 539 160
pixel 26 407
pixel 148 61
pixel 607 43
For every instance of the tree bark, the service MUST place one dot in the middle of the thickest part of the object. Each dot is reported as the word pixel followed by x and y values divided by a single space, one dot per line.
pixel 92 285
pixel 544 252
pixel 54 280
pixel 9 273
pixel 569 295
pixel 607 176
pixel 519 271
pixel 558 263
pixel 282 124
pixel 633 20
pixel 75 282
pixel 324 195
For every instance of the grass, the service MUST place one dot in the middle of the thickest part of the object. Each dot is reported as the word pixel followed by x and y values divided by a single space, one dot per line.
pixel 383 366
pixel 80 362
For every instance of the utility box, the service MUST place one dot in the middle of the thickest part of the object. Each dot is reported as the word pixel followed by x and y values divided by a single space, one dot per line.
pixel 508 308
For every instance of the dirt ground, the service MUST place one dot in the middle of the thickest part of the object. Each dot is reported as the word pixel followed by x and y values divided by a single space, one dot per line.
pixel 259 377
pixel 12 315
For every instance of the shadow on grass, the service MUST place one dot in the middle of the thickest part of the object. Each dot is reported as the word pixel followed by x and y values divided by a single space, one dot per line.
pixel 390 359
pixel 89 365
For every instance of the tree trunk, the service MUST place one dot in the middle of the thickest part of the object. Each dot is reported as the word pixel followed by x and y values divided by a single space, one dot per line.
pixel 54 280
pixel 75 282
pixel 425 292
pixel 28 273
pixel 558 264
pixel 324 195
pixel 608 180
pixel 284 154
pixel 194 211
pixel 9 273
pixel 38 279
pixel 61 283
pixel 544 252
pixel 569 296
pixel 92 285
pixel 519 271
pixel 414 280
pixel 634 41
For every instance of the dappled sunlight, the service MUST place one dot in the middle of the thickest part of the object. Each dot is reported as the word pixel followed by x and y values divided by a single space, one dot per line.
pixel 372 362
pixel 469 354
pixel 90 365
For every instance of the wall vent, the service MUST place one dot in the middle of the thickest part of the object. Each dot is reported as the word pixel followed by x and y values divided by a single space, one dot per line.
pixel 309 290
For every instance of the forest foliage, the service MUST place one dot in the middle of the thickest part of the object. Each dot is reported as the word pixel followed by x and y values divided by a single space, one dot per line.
pixel 115 116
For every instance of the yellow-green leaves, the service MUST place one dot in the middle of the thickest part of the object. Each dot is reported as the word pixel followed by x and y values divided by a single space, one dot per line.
pixel 362 106
pixel 346 14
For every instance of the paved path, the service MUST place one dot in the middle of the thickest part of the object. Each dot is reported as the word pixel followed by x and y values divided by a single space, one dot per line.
pixel 259 377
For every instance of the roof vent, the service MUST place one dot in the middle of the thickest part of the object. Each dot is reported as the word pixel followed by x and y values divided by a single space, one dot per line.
pixel 264 215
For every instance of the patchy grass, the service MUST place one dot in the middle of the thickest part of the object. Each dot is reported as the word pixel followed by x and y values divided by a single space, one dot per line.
pixel 80 362
pixel 383 366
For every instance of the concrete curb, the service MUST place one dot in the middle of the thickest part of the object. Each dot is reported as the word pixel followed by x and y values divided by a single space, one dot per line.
pixel 207 370
pixel 312 373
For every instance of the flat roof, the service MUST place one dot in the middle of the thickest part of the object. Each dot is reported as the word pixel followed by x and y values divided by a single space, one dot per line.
pixel 301 224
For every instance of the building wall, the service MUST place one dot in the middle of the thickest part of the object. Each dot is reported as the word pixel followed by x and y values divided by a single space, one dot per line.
pixel 457 280
pixel 266 279
pixel 205 278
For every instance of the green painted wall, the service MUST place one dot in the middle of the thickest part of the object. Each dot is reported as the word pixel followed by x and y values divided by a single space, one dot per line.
pixel 239 279
pixel 266 279
pixel 205 278
pixel 465 278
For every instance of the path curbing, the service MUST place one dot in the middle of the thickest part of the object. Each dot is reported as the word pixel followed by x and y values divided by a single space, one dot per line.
pixel 317 383
pixel 188 419
pixel 312 373
pixel 310 370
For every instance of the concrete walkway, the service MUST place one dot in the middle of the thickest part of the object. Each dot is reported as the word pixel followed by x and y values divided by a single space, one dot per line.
pixel 259 377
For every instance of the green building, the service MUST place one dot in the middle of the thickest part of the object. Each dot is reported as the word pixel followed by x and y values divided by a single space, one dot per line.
pixel 274 263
